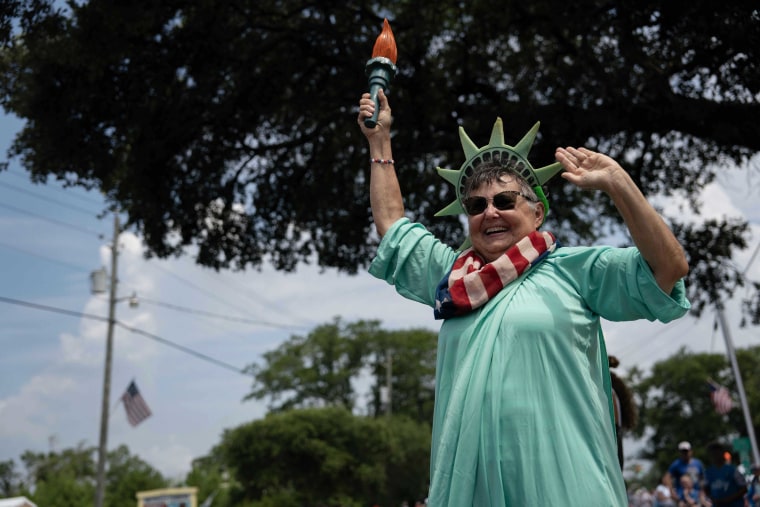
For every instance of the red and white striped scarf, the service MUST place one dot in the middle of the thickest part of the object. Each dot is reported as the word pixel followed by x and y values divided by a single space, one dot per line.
pixel 472 281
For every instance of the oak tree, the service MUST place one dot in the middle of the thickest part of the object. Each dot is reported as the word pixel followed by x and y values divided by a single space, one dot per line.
pixel 230 127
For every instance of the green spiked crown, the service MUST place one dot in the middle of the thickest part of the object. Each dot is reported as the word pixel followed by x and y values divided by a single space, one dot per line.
pixel 514 157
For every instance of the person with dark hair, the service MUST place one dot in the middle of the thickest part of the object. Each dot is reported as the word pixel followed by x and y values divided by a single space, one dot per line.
pixel 624 406
pixel 523 405
pixel 724 482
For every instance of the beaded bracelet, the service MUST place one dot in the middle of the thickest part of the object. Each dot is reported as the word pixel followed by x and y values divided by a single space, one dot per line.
pixel 381 161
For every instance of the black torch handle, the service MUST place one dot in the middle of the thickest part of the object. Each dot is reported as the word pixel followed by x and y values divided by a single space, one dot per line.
pixel 380 72
pixel 371 122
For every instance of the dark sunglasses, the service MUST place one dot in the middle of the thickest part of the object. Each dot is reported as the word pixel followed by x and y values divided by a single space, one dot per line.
pixel 477 204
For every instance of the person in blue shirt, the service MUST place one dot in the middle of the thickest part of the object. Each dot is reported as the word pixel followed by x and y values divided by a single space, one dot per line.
pixel 686 464
pixel 688 494
pixel 724 483
pixel 753 491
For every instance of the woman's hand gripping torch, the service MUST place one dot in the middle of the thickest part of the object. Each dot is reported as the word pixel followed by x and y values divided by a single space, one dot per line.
pixel 381 68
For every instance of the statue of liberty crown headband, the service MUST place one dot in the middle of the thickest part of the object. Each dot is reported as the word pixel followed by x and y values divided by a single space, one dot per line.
pixel 513 157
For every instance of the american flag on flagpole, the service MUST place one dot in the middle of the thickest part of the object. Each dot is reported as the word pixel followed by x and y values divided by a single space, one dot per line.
pixel 720 398
pixel 137 409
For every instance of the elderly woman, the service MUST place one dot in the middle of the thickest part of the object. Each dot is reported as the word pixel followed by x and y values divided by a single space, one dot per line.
pixel 522 409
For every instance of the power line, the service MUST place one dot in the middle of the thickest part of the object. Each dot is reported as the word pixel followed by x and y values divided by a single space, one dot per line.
pixel 194 286
pixel 83 198
pixel 305 323
pixel 53 221
pixel 751 260
pixel 49 259
pixel 208 293
pixel 254 296
pixel 204 313
pixel 53 309
pixel 193 311
pixel 182 348
pixel 48 199
pixel 152 336
pixel 191 284
pixel 636 347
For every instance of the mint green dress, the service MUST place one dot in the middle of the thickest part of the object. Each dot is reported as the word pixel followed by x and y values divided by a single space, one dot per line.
pixel 522 398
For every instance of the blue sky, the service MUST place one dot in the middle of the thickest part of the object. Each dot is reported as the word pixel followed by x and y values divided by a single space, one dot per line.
pixel 51 369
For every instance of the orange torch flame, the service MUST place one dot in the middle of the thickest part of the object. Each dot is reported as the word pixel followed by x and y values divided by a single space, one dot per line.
pixel 385 45
pixel 381 68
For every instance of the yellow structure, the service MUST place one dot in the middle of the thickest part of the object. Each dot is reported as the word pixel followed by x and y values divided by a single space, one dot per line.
pixel 168 497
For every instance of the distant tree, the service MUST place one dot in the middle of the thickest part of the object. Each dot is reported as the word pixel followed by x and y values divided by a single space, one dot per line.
pixel 325 367
pixel 10 479
pixel 327 457
pixel 127 474
pixel 210 475
pixel 410 354
pixel 674 402
pixel 231 125
pixel 63 479
pixel 315 370
pixel 67 478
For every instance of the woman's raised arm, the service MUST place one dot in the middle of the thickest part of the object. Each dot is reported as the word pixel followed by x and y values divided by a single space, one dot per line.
pixel 384 191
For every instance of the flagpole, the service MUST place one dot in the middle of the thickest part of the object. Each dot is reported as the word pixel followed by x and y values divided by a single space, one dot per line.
pixel 739 383
pixel 101 482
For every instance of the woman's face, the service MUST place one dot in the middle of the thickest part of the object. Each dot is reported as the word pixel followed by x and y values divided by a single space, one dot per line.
pixel 494 231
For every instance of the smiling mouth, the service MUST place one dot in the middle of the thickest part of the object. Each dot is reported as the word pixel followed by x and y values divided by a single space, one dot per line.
pixel 495 230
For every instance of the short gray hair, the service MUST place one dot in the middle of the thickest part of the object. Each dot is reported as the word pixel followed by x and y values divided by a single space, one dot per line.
pixel 488 172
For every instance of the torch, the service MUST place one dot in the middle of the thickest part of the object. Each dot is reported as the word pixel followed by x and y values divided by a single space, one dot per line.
pixel 381 67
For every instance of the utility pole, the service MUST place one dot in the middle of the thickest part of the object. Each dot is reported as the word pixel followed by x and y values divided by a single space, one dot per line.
pixel 388 380
pixel 386 393
pixel 739 382
pixel 737 373
pixel 101 482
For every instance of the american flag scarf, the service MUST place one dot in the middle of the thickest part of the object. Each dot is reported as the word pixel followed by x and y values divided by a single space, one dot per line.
pixel 472 281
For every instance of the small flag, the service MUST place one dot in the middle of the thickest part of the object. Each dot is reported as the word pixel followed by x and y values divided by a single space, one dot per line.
pixel 137 409
pixel 721 398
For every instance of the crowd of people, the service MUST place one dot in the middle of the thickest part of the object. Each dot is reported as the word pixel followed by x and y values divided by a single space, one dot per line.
pixel 688 482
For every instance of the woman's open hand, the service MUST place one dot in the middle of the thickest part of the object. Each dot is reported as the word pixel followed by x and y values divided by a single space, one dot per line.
pixel 367 109
pixel 588 169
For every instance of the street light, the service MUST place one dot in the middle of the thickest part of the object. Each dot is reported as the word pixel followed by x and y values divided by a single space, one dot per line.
pixel 99 285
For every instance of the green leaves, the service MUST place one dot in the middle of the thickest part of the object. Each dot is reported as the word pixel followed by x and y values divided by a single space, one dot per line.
pixel 231 127
pixel 67 478
pixel 675 402
pixel 327 457
pixel 325 368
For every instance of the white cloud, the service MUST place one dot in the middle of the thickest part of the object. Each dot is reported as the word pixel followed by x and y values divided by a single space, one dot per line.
pixel 30 414
pixel 76 349
pixel 170 456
